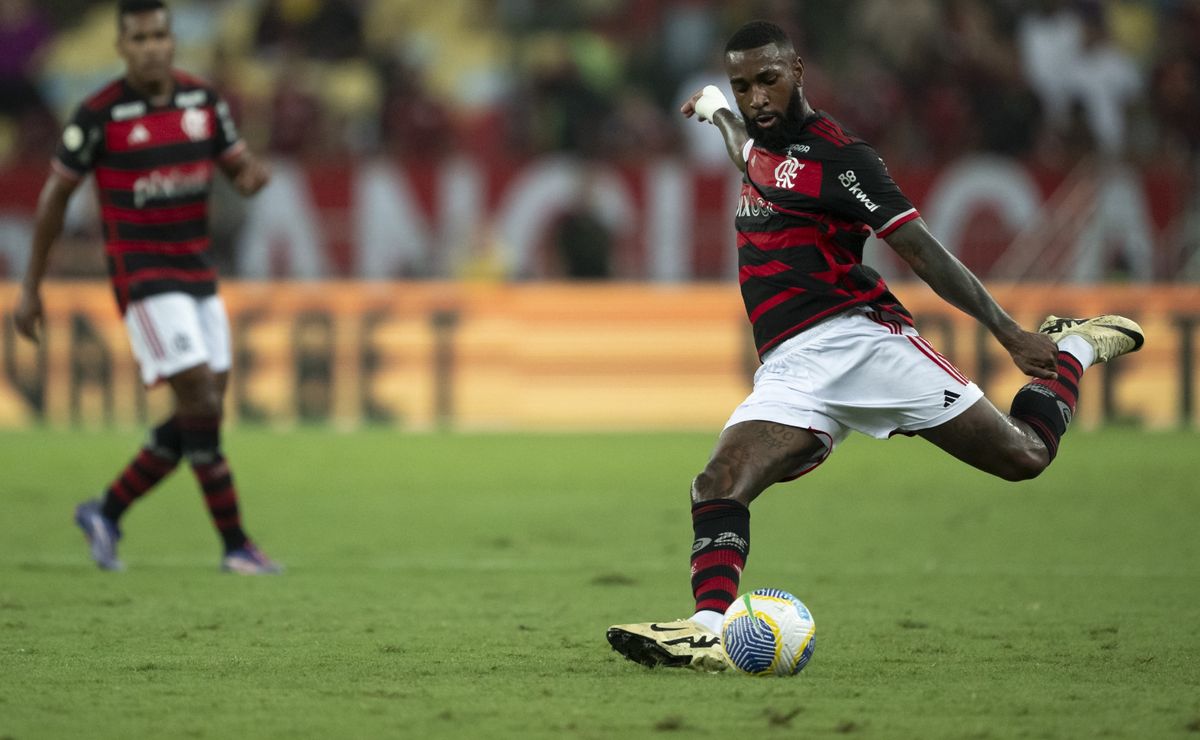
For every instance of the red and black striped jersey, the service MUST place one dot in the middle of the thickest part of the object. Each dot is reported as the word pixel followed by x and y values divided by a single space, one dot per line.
pixel 802 219
pixel 154 170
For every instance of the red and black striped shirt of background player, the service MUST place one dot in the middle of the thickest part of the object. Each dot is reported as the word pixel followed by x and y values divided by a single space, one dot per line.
pixel 802 219
pixel 154 170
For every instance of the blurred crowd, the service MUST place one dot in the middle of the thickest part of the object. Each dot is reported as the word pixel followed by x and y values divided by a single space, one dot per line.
pixel 924 80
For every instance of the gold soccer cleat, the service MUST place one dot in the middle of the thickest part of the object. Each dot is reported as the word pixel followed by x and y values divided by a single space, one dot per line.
pixel 1111 336
pixel 678 644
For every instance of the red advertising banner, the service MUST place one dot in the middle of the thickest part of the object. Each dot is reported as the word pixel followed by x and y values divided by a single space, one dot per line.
pixel 663 221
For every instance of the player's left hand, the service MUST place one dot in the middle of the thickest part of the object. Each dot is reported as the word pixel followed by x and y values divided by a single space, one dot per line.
pixel 253 177
pixel 1035 354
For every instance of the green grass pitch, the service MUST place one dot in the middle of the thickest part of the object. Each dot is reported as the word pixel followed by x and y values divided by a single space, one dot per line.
pixel 459 585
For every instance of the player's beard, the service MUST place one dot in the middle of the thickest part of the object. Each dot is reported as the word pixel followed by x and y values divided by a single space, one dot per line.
pixel 786 131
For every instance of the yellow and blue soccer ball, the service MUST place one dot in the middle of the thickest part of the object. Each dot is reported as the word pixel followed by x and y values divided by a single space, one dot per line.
pixel 768 632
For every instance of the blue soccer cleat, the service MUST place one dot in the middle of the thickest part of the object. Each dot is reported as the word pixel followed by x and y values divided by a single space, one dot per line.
pixel 102 534
pixel 248 560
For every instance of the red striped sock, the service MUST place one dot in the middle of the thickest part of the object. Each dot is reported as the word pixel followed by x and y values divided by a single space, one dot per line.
pixel 153 462
pixel 220 496
pixel 1048 406
pixel 719 552
pixel 139 476
pixel 202 446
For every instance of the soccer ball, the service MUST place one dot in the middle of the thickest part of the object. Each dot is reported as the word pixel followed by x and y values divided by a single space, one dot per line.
pixel 767 632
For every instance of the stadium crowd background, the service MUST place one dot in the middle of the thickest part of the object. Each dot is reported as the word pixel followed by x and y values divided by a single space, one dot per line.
pixel 1047 82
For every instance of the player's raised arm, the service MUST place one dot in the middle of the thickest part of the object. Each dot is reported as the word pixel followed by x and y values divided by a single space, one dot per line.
pixel 48 224
pixel 711 106
pixel 1032 352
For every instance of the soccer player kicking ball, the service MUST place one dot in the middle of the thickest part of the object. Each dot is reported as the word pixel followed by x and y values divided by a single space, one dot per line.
pixel 151 139
pixel 838 350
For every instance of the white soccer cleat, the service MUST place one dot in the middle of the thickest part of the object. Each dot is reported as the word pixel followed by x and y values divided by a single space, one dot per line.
pixel 1111 336
pixel 678 644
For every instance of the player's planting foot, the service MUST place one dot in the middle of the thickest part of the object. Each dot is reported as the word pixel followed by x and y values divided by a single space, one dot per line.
pixel 102 534
pixel 1111 336
pixel 678 644
pixel 248 560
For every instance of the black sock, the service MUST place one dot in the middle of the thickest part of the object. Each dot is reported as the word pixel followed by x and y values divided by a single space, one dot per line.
pixel 1048 405
pixel 719 552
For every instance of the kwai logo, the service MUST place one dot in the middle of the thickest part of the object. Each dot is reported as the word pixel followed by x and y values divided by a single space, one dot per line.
pixel 849 180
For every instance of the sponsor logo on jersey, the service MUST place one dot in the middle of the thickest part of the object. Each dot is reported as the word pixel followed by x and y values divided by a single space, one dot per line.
pixel 159 185
pixel 754 206
pixel 125 111
pixel 785 172
pixel 849 180
pixel 196 124
pixel 138 135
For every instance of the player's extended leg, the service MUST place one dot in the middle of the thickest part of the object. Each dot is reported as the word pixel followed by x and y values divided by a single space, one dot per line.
pixel 992 441
pixel 749 457
pixel 199 394
pixel 100 518
pixel 1023 443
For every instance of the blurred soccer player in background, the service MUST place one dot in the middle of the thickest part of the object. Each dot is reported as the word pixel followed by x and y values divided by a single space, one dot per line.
pixel 839 352
pixel 151 139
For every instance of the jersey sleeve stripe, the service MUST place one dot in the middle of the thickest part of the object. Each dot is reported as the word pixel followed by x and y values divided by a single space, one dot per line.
pixel 896 222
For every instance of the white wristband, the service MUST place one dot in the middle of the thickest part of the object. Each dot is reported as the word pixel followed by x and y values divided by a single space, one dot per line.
pixel 710 101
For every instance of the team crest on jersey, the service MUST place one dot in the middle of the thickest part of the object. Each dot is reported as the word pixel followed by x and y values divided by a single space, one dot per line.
pixel 785 172
pixel 196 124
pixel 138 135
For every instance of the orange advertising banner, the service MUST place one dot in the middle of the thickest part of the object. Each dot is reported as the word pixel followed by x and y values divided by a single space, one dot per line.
pixel 420 355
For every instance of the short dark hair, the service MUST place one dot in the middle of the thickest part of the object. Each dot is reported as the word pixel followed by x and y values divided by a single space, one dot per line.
pixel 758 33
pixel 129 7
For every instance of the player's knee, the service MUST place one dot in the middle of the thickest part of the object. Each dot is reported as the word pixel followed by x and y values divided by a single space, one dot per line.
pixel 706 486
pixel 199 396
pixel 717 480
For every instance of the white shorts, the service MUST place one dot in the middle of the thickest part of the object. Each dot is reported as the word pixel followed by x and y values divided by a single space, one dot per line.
pixel 173 332
pixel 858 371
